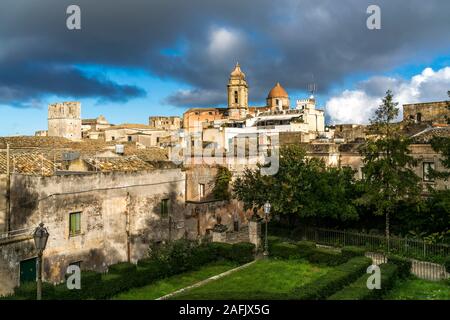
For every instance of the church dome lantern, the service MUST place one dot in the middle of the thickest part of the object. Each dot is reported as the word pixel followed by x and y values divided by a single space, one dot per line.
pixel 237 72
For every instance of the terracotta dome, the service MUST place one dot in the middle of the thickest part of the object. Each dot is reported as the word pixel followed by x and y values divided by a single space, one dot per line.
pixel 237 72
pixel 278 92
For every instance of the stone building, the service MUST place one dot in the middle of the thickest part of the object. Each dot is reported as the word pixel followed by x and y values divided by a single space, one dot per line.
pixel 165 123
pixel 140 133
pixel 64 120
pixel 94 219
pixel 431 112
pixel 93 128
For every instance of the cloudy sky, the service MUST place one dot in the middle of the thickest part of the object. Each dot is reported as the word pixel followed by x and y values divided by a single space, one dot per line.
pixel 135 58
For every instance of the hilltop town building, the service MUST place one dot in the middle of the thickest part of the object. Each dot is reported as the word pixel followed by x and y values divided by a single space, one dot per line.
pixel 64 120
pixel 165 123
pixel 432 112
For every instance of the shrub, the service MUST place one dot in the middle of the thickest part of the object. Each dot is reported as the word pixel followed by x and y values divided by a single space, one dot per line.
pixel 351 251
pixel 27 291
pixel 202 255
pixel 284 250
pixel 306 245
pixel 326 257
pixel 358 290
pixel 222 250
pixel 242 252
pixel 404 265
pixel 121 268
pixel 333 281
pixel 273 240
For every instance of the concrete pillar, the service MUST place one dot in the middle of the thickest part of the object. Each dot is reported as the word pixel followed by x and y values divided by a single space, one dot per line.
pixel 254 232
pixel 219 236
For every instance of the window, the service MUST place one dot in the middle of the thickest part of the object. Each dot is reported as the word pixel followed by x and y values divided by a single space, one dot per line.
pixel 113 138
pixel 236 98
pixel 75 223
pixel 201 190
pixel 427 168
pixel 419 117
pixel 130 138
pixel 164 208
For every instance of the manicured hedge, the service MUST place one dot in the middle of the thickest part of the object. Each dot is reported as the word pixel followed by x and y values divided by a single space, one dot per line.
pixel 404 265
pixel 242 252
pixel 180 257
pixel 308 250
pixel 121 268
pixel 285 250
pixel 358 290
pixel 306 245
pixel 221 250
pixel 27 291
pixel 351 251
pixel 326 257
pixel 333 281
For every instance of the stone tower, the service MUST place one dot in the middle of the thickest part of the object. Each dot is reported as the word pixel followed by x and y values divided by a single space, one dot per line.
pixel 237 94
pixel 64 120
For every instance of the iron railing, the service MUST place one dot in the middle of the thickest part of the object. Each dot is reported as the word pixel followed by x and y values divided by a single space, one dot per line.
pixel 411 248
pixel 17 233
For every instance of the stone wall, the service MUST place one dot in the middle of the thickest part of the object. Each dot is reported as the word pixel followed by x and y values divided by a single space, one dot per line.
pixel 427 112
pixel 2 202
pixel 64 120
pixel 120 216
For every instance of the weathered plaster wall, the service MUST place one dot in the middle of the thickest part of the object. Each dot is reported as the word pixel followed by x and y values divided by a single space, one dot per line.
pixel 431 111
pixel 2 202
pixel 118 211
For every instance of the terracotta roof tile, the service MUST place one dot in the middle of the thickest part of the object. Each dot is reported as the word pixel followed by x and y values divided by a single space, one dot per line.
pixel 132 163
pixel 30 163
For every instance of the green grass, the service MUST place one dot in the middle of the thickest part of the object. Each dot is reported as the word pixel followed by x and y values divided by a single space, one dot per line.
pixel 171 284
pixel 265 279
pixel 418 289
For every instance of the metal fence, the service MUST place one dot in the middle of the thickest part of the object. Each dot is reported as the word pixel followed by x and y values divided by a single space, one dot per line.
pixel 427 258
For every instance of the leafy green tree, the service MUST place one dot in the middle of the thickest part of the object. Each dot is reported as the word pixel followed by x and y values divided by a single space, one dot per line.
pixel 302 187
pixel 388 175
pixel 252 188
pixel 221 189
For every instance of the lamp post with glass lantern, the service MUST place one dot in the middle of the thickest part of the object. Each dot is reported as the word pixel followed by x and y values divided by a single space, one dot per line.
pixel 267 207
pixel 40 236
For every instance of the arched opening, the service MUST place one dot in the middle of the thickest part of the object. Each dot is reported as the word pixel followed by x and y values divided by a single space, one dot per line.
pixel 419 117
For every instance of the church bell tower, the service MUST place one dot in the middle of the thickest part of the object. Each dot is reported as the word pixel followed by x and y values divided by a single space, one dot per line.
pixel 237 94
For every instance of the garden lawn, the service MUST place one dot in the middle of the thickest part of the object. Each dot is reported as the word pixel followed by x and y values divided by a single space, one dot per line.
pixel 418 289
pixel 265 279
pixel 174 283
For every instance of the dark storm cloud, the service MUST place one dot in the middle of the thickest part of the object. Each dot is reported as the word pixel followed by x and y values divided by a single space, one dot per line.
pixel 287 40
pixel 23 85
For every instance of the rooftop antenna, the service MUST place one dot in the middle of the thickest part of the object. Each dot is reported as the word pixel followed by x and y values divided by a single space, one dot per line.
pixel 312 88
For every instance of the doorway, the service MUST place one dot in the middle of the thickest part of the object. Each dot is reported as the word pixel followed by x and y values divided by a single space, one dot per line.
pixel 27 271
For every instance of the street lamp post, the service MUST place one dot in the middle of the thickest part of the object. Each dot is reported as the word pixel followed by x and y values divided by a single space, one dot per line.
pixel 267 207
pixel 40 236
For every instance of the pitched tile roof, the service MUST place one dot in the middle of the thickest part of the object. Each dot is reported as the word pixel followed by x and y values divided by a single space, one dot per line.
pixel 426 135
pixel 132 163
pixel 30 163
